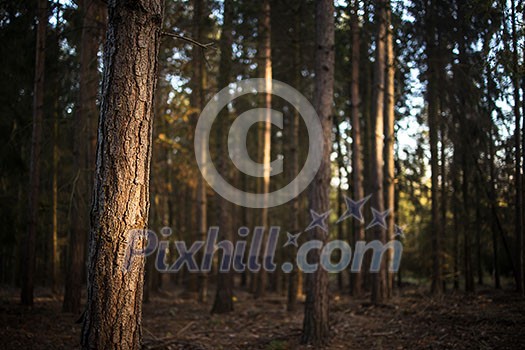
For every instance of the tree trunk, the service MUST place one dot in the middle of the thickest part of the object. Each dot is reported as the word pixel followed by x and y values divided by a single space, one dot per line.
pixel 55 257
pixel 266 131
pixel 379 280
pixel 494 227
pixel 28 257
pixel 456 209
pixel 517 143
pixel 55 261
pixel 121 195
pixel 340 201
pixel 443 172
pixel 295 275
pixel 465 149
pixel 223 297
pixel 389 138
pixel 316 320
pixel 433 113
pixel 197 97
pixel 357 161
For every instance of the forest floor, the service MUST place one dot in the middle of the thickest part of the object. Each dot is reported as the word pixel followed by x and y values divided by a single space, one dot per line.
pixel 489 319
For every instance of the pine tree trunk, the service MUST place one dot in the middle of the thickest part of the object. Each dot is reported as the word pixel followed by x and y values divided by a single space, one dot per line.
pixel 316 319
pixel 266 132
pixel 456 190
pixel 517 144
pixel 389 139
pixel 294 275
pixel 55 257
pixel 357 161
pixel 494 227
pixel 340 201
pixel 223 297
pixel 433 113
pixel 28 257
pixel 197 97
pixel 465 149
pixel 121 195
pixel 379 279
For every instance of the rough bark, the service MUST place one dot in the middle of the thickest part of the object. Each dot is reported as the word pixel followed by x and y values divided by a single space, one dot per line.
pixel 28 257
pixel 112 319
pixel 316 320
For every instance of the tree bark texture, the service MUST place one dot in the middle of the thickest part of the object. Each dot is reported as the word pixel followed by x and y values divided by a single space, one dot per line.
pixel 112 319
pixel 316 321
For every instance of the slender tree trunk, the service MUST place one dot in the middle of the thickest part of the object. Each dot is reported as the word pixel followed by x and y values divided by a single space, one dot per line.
pixel 197 96
pixel 389 138
pixel 357 160
pixel 366 87
pixel 467 244
pixel 379 280
pixel 443 172
pixel 457 216
pixel 224 293
pixel 340 226
pixel 465 149
pixel 28 257
pixel 55 258
pixel 495 253
pixel 316 319
pixel 479 219
pixel 517 143
pixel 55 262
pixel 121 194
pixel 293 276
pixel 433 113
pixel 266 131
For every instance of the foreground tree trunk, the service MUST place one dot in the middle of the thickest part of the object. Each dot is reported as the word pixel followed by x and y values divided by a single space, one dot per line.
pixel 92 11
pixel 121 195
pixel 28 257
pixel 316 321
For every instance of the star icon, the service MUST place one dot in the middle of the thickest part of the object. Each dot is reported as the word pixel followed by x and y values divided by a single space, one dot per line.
pixel 378 218
pixel 354 209
pixel 292 239
pixel 318 220
pixel 399 231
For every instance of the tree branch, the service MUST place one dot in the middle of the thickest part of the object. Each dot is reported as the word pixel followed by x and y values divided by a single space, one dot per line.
pixel 190 40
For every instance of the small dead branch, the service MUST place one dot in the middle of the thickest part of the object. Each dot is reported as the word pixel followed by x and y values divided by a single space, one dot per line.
pixel 190 40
